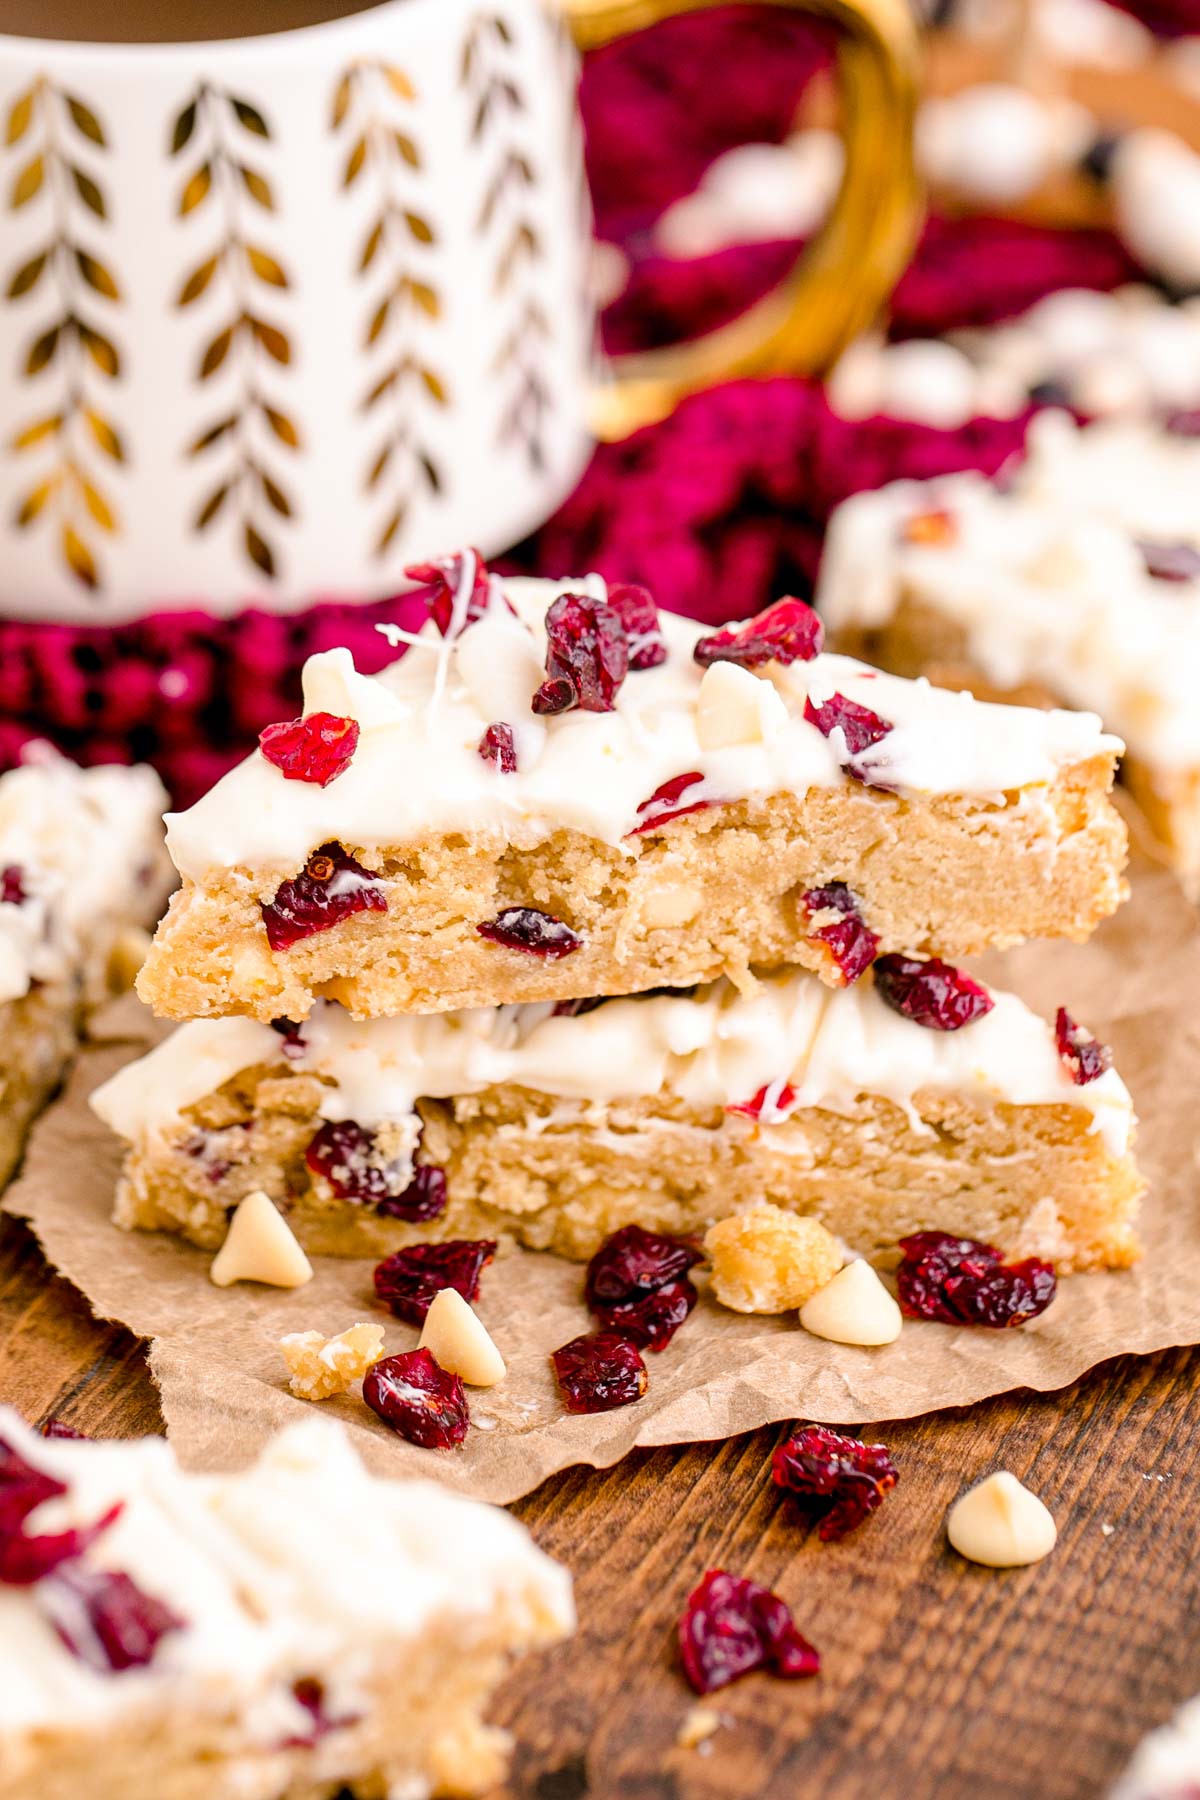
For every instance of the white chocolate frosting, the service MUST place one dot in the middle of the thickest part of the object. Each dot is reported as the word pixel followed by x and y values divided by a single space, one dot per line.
pixel 1046 579
pixel 302 1566
pixel 89 847
pixel 1125 354
pixel 714 1048
pixel 417 769
pixel 1132 473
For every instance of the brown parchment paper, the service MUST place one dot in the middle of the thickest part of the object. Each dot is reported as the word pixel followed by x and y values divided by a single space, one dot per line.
pixel 223 1382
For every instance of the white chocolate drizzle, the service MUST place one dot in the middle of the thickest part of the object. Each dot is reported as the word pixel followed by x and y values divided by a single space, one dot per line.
pixel 715 1048
pixel 417 769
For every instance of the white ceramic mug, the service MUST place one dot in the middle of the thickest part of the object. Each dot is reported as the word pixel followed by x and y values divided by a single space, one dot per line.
pixel 283 313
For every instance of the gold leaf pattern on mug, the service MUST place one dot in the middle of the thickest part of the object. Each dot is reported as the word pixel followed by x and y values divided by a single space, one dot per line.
pixel 223 187
pixel 50 131
pixel 509 231
pixel 394 262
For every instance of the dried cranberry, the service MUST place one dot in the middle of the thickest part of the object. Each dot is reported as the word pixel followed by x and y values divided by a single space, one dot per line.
pixel 309 1693
pixel 418 1398
pixel 209 1148
pixel 859 726
pixel 105 1619
pixel 1170 562
pixel 331 887
pixel 524 928
pixel 961 1282
pixel 775 1100
pixel 732 1626
pixel 1097 160
pixel 634 1262
pixel 1050 392
pixel 650 1320
pixel 444 578
pixel 635 608
pixel 25 1559
pixel 787 632
pixel 599 1371
pixel 928 1257
pixel 498 747
pixel 12 885
pixel 930 993
pixel 1184 424
pixel 574 1009
pixel 408 1279
pixel 845 1478
pixel 1009 1295
pixel 58 1428
pixel 662 806
pixel 587 656
pixel 22 1488
pixel 1085 1056
pixel 424 1198
pixel 554 696
pixel 293 1045
pixel 344 1153
pixel 849 943
pixel 316 749
pixel 936 526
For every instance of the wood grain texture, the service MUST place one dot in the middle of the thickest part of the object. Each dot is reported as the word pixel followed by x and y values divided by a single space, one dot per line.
pixel 940 1679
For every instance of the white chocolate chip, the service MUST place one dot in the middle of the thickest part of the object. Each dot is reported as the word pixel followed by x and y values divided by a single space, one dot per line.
pixel 332 684
pixel 735 707
pixel 675 903
pixel 1001 1524
pixel 698 1725
pixel 853 1308
pixel 457 1338
pixel 259 1246
pixel 499 662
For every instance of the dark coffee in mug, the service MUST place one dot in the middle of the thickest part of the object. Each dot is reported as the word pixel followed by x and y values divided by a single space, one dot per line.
pixel 165 21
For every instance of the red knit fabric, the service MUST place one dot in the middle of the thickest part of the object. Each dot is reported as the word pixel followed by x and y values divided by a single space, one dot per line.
pixel 1170 18
pixel 724 505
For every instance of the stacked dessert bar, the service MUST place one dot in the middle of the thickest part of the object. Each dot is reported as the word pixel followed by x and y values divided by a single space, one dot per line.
pixel 1076 582
pixel 83 874
pixel 581 914
pixel 293 1629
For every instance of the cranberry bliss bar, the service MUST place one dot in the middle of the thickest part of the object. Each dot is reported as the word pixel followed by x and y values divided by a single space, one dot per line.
pixel 270 1635
pixel 914 1099
pixel 1078 584
pixel 560 792
pixel 81 863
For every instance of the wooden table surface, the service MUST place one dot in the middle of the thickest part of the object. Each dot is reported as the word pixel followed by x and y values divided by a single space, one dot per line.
pixel 939 1678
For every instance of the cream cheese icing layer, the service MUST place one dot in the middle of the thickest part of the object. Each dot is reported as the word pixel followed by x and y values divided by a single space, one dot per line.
pixel 304 1565
pixel 715 1048
pixel 86 846
pixel 1044 592
pixel 417 770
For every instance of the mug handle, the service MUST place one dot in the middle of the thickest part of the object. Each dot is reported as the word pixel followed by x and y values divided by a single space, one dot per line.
pixel 842 279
